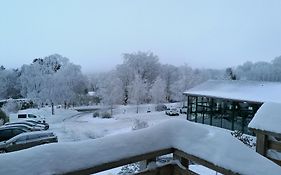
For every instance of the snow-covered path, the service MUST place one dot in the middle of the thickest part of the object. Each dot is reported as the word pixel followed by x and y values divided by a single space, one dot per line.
pixel 83 126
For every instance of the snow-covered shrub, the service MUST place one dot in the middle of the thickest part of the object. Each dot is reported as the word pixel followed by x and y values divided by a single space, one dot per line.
pixel 139 124
pixel 11 107
pixel 91 135
pixel 247 140
pixel 3 117
pixel 106 115
pixel 27 105
pixel 160 107
pixel 96 114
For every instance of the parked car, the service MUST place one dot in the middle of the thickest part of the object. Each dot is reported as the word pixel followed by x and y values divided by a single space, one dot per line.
pixel 7 133
pixel 24 126
pixel 172 112
pixel 31 116
pixel 40 123
pixel 35 127
pixel 27 140
pixel 183 110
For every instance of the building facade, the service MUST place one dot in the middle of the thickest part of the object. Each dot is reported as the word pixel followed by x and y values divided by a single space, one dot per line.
pixel 229 104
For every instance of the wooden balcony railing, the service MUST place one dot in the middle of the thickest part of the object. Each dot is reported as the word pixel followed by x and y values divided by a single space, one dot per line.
pixel 167 169
pixel 188 142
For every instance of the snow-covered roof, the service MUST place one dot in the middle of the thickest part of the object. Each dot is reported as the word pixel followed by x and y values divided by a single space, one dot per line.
pixel 255 91
pixel 267 118
pixel 210 143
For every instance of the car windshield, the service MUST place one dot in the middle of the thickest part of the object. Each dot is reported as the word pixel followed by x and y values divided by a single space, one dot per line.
pixel 32 116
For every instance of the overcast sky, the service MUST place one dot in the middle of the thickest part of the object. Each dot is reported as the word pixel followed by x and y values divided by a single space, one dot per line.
pixel 94 34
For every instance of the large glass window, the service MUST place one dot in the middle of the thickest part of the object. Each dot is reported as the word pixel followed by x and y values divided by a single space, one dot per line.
pixel 224 113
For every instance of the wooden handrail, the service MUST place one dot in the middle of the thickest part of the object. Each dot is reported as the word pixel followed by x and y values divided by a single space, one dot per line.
pixel 274 145
pixel 121 162
pixel 151 155
pixel 204 163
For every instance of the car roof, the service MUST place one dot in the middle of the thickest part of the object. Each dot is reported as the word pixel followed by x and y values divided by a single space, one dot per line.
pixel 17 125
pixel 32 133
pixel 36 133
pixel 13 127
pixel 20 122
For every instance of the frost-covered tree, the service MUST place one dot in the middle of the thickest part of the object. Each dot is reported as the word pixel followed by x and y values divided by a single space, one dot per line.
pixel 9 86
pixel 111 91
pixel 157 91
pixel 126 76
pixel 144 64
pixel 229 74
pixel 137 91
pixel 260 71
pixel 3 117
pixel 170 74
pixel 11 107
pixel 52 79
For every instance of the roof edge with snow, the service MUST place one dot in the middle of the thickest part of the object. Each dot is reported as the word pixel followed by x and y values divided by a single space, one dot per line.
pixel 239 90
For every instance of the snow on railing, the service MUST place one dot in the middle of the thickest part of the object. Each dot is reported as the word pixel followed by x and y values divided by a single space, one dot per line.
pixel 206 145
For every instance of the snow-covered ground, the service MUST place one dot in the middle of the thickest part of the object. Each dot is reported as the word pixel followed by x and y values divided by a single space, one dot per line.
pixel 71 126
pixel 85 126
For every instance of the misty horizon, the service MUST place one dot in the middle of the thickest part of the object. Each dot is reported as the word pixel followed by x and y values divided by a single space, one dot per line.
pixel 93 34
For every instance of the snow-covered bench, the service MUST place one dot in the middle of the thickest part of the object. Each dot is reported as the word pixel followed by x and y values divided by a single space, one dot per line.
pixel 212 147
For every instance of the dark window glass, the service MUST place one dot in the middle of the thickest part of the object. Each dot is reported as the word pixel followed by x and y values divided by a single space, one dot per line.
pixel 17 131
pixel 22 116
pixel 5 134
pixel 31 116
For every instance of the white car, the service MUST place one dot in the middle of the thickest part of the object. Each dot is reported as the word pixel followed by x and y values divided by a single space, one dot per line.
pixel 31 116
pixel 172 112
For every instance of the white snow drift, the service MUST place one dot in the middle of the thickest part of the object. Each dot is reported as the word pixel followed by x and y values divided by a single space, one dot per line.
pixel 212 144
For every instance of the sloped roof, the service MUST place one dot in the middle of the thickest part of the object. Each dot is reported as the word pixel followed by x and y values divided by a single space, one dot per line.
pixel 267 118
pixel 255 91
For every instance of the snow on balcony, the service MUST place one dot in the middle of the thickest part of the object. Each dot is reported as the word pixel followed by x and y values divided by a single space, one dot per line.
pixel 267 118
pixel 212 144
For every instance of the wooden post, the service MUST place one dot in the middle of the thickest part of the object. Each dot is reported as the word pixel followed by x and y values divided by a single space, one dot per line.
pixel 261 146
pixel 183 161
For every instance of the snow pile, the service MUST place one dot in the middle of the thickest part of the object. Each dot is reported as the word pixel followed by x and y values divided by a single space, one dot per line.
pixel 212 144
pixel 255 91
pixel 267 118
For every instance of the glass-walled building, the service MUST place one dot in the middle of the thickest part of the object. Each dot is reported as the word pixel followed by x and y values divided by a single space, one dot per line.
pixel 229 104
pixel 223 113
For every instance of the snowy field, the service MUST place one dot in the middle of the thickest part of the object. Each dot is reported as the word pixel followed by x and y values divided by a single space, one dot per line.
pixel 71 126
